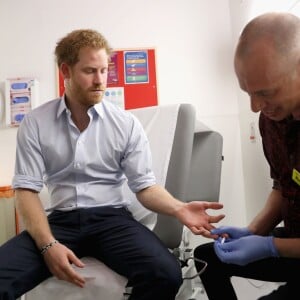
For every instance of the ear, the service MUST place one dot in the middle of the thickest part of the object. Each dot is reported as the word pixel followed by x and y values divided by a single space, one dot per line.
pixel 65 70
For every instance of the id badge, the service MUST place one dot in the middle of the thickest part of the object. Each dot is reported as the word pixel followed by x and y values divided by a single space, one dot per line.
pixel 296 176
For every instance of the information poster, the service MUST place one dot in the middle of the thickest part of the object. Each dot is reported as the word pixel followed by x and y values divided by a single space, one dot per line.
pixel 113 77
pixel 136 73
pixel 21 97
pixel 136 67
pixel 116 96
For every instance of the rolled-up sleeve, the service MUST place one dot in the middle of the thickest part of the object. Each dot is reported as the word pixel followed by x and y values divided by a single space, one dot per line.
pixel 29 166
pixel 137 160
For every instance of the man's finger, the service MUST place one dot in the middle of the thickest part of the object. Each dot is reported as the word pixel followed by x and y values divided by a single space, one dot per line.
pixel 74 277
pixel 213 205
pixel 216 219
pixel 75 260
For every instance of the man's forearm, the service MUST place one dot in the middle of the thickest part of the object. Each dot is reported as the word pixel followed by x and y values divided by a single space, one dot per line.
pixel 158 199
pixel 269 216
pixel 33 215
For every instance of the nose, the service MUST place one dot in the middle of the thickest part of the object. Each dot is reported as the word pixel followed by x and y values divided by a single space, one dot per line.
pixel 98 78
pixel 257 104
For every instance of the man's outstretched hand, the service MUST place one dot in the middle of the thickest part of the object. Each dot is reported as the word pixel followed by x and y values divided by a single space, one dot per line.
pixel 194 216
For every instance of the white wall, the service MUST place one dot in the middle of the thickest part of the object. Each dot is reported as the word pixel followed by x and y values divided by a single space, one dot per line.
pixel 194 62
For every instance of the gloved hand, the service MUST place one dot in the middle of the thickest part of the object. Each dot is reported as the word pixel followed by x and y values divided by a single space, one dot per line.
pixel 246 249
pixel 232 232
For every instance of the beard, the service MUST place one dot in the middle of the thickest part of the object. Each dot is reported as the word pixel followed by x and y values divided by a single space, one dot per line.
pixel 88 97
pixel 95 95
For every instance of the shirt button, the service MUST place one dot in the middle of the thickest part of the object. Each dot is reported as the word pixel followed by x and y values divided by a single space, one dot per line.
pixel 77 165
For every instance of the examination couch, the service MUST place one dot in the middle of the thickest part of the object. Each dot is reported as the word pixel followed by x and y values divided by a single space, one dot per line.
pixel 187 159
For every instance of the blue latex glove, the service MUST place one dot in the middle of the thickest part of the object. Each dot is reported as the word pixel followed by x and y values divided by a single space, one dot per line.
pixel 246 249
pixel 233 232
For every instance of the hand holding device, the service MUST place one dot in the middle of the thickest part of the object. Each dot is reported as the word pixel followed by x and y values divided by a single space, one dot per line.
pixel 231 232
pixel 245 249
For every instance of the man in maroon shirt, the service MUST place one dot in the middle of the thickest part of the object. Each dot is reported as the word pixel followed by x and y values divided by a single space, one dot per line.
pixel 267 65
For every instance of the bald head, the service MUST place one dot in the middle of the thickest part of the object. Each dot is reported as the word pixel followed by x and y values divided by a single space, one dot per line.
pixel 280 32
pixel 267 64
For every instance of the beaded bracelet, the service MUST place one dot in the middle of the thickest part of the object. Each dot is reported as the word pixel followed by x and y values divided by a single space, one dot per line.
pixel 48 246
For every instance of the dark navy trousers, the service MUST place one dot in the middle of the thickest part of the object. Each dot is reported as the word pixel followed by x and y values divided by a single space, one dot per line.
pixel 109 234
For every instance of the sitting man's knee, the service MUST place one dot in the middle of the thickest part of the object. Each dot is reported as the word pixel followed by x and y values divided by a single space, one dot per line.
pixel 6 295
pixel 169 273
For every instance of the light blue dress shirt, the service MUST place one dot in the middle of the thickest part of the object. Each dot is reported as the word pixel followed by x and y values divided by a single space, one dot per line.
pixel 82 169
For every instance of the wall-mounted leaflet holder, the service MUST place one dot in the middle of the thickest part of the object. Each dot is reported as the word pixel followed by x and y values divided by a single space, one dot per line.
pixel 20 97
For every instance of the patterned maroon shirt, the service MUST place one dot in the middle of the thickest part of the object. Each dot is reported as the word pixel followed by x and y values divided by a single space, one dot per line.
pixel 281 144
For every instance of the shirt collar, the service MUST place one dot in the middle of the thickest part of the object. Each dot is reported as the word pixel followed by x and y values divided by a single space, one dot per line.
pixel 99 109
pixel 63 107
